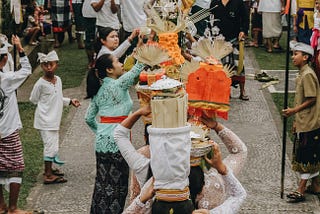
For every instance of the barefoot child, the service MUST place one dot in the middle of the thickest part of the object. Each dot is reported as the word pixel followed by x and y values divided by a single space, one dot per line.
pixel 306 151
pixel 47 95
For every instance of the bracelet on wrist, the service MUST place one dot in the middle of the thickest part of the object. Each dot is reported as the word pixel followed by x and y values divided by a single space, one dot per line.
pixel 215 125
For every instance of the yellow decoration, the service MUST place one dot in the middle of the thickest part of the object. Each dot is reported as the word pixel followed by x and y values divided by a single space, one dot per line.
pixel 169 42
pixel 129 63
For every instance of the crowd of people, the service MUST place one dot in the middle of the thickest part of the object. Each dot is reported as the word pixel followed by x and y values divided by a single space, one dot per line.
pixel 112 29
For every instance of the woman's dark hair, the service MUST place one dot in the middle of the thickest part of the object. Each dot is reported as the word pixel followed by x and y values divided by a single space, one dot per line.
pixel 196 183
pixel 103 32
pixel 146 134
pixel 30 10
pixel 97 74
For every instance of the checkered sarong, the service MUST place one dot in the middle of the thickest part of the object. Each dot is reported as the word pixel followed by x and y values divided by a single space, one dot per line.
pixel 60 13
pixel 11 156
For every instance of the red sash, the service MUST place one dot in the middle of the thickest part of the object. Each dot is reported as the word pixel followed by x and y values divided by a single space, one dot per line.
pixel 116 119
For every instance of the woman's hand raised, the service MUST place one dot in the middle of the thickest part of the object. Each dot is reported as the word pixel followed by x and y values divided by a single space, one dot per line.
pixel 216 159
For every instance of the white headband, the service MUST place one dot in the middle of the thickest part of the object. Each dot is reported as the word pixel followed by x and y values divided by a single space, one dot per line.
pixel 299 46
pixel 50 57
pixel 4 44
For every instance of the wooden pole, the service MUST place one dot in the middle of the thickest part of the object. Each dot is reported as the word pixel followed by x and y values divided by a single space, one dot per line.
pixel 285 101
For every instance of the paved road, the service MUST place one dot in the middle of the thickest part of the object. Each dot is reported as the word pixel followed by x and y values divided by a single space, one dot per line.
pixel 256 122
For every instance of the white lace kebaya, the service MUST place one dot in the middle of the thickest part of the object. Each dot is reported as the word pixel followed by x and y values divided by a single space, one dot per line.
pixel 220 194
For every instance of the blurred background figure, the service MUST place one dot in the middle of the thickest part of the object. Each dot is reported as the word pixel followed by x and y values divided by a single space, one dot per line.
pixel 61 20
pixel 90 31
pixel 304 20
pixel 79 21
pixel 271 23
pixel 31 31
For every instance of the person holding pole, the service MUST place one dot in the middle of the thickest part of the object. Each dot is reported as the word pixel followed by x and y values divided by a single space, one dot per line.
pixel 11 154
pixel 306 149
pixel 234 26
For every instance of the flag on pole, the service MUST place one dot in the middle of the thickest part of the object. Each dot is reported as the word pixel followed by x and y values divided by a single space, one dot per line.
pixel 15 9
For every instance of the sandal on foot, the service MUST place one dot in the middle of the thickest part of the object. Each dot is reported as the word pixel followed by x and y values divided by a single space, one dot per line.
pixel 3 210
pixel 269 50
pixel 57 180
pixel 38 212
pixel 253 44
pixel 17 211
pixel 278 49
pixel 309 190
pixel 57 172
pixel 295 197
pixel 244 97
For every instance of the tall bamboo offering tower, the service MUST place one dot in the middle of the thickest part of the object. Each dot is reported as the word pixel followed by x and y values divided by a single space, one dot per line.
pixel 166 18
pixel 172 86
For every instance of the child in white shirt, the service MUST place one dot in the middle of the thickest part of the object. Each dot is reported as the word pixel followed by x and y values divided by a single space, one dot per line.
pixel 47 95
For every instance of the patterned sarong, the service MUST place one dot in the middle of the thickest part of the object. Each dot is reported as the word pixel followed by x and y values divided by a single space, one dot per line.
pixel 11 156
pixel 111 184
pixel 306 152
pixel 61 15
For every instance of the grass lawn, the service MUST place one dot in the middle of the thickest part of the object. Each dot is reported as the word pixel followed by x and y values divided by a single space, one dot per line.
pixel 273 61
pixel 72 70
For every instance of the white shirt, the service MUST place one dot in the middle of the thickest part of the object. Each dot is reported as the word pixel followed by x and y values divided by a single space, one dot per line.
pixel 9 82
pixel 87 10
pixel 271 6
pixel 118 52
pixel 203 3
pixel 132 14
pixel 49 100
pixel 105 18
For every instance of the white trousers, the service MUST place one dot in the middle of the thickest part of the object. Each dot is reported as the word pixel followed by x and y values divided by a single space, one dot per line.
pixel 50 140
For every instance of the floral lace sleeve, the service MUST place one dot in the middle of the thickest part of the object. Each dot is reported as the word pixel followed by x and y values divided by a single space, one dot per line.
pixel 214 192
pixel 91 114
pixel 237 149
pixel 131 77
pixel 137 207
pixel 236 194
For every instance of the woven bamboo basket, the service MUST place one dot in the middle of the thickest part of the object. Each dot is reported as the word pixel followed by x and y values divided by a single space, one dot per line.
pixel 169 112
